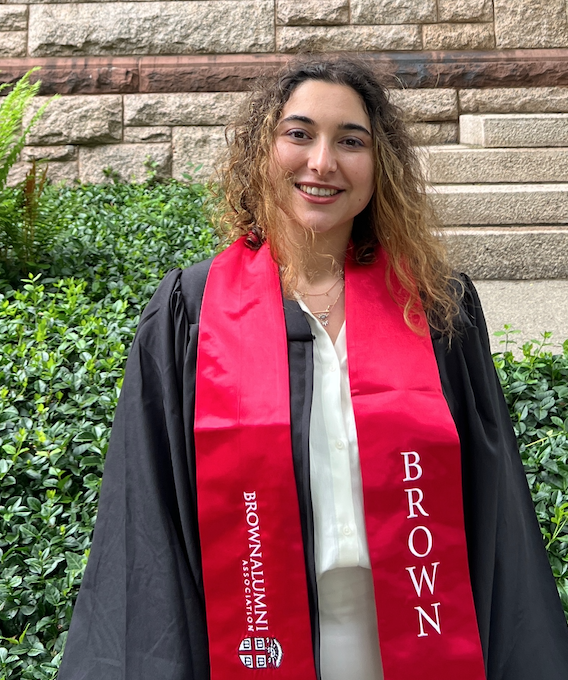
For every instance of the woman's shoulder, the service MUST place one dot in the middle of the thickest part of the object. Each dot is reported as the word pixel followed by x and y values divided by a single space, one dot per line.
pixel 191 286
pixel 470 313
pixel 176 302
pixel 469 320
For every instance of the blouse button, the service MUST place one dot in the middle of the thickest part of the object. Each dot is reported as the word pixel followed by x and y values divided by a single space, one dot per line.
pixel 346 530
pixel 339 444
pixel 333 368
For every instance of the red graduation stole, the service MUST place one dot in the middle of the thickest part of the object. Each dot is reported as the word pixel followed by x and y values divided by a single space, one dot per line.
pixel 253 558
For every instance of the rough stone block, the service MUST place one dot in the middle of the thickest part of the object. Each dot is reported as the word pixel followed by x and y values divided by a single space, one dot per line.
pixel 129 161
pixel 426 105
pixel 60 2
pixel 49 153
pixel 312 12
pixel 350 38
pixel 186 108
pixel 433 133
pixel 528 305
pixel 13 43
pixel 509 253
pixel 501 204
pixel 465 10
pixel 531 23
pixel 201 26
pixel 463 165
pixel 13 18
pixel 137 135
pixel 58 172
pixel 514 100
pixel 63 172
pixel 199 147
pixel 77 120
pixel 458 36
pixel 17 173
pixel 392 11
pixel 514 129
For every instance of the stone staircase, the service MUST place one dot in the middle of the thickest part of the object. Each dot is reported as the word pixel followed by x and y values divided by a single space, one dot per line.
pixel 502 195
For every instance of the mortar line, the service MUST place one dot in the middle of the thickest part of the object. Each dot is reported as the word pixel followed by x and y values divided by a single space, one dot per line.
pixel 28 31
pixel 275 9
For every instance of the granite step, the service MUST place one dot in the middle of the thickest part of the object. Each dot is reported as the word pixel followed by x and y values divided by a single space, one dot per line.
pixel 460 164
pixel 501 204
pixel 512 253
pixel 531 307
pixel 514 130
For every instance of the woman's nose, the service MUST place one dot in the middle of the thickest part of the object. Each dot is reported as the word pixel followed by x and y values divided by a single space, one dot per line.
pixel 322 158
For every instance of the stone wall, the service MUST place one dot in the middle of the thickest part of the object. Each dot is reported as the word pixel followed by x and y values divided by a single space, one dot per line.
pixel 134 86
pixel 161 78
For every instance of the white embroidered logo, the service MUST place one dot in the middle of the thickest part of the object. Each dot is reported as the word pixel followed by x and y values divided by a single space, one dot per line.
pixel 260 652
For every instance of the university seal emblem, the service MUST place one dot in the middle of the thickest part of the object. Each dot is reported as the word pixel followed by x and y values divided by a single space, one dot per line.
pixel 260 652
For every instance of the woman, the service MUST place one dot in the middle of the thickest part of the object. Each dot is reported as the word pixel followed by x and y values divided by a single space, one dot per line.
pixel 312 471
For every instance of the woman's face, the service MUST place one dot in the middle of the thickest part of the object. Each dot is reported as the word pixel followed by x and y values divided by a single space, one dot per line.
pixel 324 141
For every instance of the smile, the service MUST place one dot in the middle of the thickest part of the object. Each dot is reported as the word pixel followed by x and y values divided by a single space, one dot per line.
pixel 317 191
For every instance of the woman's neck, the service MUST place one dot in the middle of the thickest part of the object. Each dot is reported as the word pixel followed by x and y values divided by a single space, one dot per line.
pixel 322 257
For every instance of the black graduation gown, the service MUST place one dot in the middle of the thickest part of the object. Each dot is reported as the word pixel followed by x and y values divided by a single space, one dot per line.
pixel 140 614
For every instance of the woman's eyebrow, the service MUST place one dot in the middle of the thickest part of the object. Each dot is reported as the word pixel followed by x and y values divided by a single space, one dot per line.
pixel 341 126
pixel 354 126
pixel 301 119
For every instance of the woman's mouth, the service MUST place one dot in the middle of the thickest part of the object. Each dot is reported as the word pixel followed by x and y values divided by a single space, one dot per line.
pixel 317 191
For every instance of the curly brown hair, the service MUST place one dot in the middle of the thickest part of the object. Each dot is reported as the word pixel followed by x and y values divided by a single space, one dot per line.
pixel 399 217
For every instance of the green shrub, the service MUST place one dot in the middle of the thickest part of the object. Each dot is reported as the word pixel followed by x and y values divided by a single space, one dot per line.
pixel 536 390
pixel 63 345
pixel 123 238
pixel 62 362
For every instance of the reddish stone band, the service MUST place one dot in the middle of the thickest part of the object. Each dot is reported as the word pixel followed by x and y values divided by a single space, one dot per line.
pixel 234 73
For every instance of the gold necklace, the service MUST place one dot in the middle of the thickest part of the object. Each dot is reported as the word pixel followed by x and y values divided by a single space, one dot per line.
pixel 323 316
pixel 303 294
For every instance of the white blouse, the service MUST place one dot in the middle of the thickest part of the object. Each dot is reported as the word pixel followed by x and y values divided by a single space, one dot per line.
pixel 335 474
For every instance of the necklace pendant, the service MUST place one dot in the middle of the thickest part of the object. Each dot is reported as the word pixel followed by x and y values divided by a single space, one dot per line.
pixel 323 318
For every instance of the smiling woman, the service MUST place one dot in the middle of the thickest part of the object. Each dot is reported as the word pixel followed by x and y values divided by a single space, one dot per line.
pixel 312 470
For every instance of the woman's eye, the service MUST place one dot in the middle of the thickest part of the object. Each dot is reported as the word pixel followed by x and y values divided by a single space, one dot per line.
pixel 297 134
pixel 353 142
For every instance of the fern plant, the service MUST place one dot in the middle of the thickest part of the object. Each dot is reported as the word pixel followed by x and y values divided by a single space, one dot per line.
pixel 25 234
pixel 33 226
pixel 12 110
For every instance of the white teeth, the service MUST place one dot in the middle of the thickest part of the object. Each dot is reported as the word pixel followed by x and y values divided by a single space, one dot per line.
pixel 317 191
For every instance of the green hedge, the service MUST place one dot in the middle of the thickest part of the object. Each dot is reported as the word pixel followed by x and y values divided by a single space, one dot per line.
pixel 64 337
pixel 536 390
